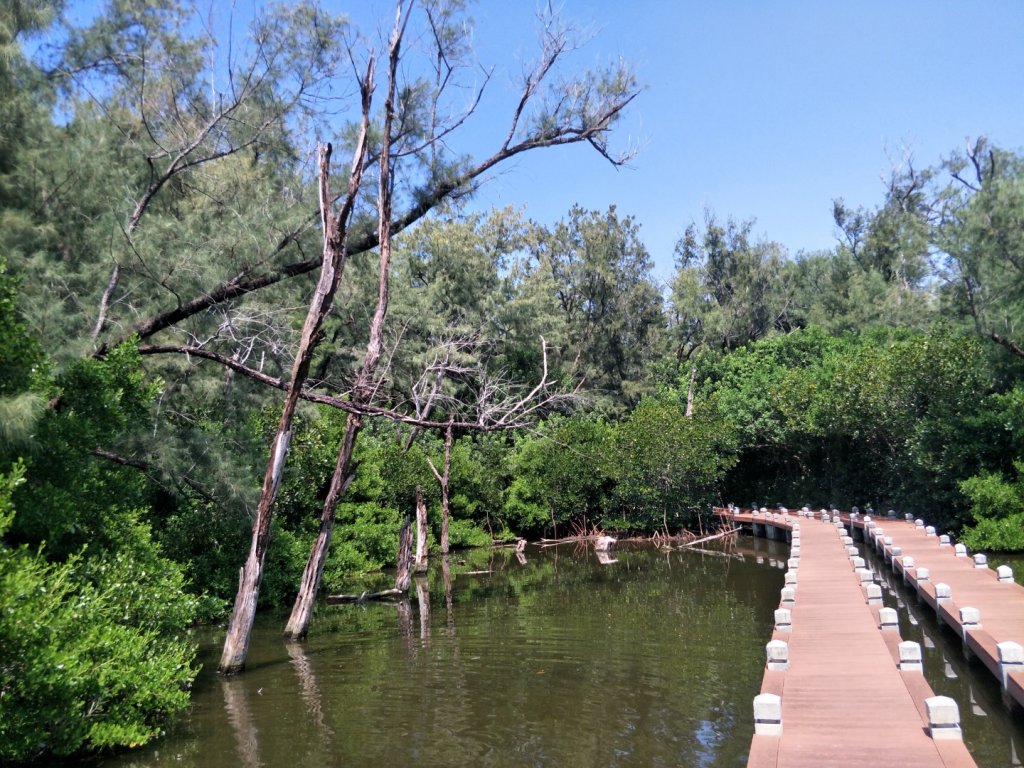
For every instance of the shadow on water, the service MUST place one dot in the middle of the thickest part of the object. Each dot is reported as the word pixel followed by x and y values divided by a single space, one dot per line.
pixel 555 658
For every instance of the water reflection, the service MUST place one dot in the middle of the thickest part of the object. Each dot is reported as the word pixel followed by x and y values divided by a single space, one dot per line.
pixel 653 660
pixel 236 706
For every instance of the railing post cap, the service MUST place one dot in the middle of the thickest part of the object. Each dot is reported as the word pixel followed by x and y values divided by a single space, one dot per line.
pixel 970 615
pixel 767 714
pixel 1005 573
pixel 1010 652
pixel 943 591
pixel 943 717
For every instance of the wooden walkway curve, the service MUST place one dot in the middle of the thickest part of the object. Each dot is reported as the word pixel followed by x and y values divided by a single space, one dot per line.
pixel 835 691
pixel 984 607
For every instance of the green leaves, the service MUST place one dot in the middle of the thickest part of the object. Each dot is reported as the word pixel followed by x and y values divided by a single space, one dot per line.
pixel 93 651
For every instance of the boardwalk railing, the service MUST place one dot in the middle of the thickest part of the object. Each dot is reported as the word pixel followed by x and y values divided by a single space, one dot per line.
pixel 836 668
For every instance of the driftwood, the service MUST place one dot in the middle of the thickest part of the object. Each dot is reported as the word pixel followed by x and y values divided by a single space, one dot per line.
pixel 366 596
pixel 720 535
pixel 402 579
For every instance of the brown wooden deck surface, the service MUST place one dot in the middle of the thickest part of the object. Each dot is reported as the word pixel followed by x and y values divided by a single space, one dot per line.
pixel 1001 604
pixel 844 700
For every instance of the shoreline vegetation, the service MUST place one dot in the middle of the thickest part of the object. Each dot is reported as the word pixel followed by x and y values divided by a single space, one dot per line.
pixel 213 353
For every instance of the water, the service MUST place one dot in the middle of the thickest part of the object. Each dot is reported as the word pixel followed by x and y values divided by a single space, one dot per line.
pixel 653 660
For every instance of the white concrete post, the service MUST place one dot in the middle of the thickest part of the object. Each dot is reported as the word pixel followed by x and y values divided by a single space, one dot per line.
pixel 873 592
pixel 970 618
pixel 922 574
pixel 919 523
pixel 767 715
pixel 793 563
pixel 980 561
pixel 858 562
pixel 864 574
pixel 1005 574
pixel 908 517
pixel 960 550
pixel 943 594
pixel 783 620
pixel 778 655
pixel 929 531
pixel 788 597
pixel 943 718
pixel 1011 657
pixel 944 540
pixel 791 578
pixel 888 620
pixel 910 657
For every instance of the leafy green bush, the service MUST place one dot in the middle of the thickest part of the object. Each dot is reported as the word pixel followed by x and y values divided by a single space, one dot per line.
pixel 93 651
pixel 997 506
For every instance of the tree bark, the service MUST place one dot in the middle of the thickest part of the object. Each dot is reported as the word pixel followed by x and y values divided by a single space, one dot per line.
pixel 443 479
pixel 404 573
pixel 421 532
pixel 363 388
pixel 236 642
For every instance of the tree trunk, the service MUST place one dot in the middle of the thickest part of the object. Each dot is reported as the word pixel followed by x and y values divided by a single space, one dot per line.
pixel 236 642
pixel 421 532
pixel 446 477
pixel 404 573
pixel 302 610
pixel 363 388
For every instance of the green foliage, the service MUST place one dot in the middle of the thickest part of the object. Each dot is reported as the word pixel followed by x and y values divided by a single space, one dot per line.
pixel 669 464
pixel 997 505
pixel 93 652
pixel 727 291
pixel 560 476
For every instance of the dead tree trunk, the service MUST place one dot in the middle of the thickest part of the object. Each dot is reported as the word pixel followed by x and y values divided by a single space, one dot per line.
pixel 443 479
pixel 363 389
pixel 236 642
pixel 404 573
pixel 421 532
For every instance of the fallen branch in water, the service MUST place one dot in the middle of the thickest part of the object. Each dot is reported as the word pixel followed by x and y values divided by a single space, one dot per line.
pixel 721 535
pixel 384 594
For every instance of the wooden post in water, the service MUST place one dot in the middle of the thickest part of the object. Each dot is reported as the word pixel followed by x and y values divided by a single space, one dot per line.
pixel 421 532
pixel 404 574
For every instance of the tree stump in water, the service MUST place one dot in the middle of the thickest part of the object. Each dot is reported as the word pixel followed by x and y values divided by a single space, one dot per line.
pixel 404 575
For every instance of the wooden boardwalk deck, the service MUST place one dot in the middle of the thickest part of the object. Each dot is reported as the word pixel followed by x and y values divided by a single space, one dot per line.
pixel 984 608
pixel 842 697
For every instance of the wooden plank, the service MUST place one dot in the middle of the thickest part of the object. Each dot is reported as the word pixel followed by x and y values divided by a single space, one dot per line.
pixel 844 700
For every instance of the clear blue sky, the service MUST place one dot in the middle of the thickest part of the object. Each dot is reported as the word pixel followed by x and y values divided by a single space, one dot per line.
pixel 770 110
pixel 764 109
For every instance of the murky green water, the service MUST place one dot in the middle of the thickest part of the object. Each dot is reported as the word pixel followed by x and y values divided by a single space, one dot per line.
pixel 652 660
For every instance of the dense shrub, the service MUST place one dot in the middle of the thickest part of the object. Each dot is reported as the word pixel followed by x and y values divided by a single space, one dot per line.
pixel 93 651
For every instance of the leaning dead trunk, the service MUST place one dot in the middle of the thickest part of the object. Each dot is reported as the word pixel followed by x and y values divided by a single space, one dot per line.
pixel 362 390
pixel 236 642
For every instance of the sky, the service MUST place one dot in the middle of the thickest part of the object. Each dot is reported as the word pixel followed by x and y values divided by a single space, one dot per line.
pixel 755 109
pixel 771 110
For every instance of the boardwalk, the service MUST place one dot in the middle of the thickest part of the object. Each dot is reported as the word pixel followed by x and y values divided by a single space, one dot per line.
pixel 842 697
pixel 985 608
